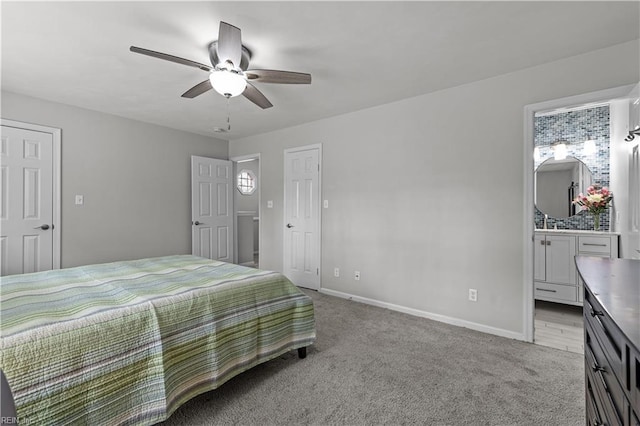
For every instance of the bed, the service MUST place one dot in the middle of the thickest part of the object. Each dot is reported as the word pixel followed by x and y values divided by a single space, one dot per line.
pixel 129 342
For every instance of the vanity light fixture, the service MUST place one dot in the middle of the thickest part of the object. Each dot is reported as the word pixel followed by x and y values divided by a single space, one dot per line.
pixel 559 150
pixel 536 153
pixel 589 147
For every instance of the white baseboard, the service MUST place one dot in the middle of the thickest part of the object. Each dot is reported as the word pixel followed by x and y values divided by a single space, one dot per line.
pixel 436 317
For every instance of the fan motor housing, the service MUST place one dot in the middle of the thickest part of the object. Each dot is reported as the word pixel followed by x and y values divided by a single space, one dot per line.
pixel 215 59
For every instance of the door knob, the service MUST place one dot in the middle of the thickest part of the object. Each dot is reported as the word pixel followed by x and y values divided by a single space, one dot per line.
pixel 43 227
pixel 289 225
pixel 198 223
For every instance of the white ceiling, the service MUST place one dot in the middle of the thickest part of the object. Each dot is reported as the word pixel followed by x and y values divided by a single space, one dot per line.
pixel 360 54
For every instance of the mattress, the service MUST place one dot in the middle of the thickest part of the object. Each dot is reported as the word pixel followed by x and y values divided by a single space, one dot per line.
pixel 129 342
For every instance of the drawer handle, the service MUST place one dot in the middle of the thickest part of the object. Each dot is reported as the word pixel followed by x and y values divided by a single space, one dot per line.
pixel 593 244
pixel 594 313
pixel 544 289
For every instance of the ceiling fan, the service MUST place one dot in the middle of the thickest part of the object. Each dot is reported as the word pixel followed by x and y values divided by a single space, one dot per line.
pixel 228 74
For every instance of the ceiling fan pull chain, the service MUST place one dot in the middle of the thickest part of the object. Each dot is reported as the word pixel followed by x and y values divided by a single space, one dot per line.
pixel 228 116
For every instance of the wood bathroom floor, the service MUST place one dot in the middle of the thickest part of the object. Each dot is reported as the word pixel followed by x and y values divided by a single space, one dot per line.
pixel 559 326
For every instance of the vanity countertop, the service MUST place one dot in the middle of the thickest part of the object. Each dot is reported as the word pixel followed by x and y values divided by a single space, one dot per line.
pixel 576 231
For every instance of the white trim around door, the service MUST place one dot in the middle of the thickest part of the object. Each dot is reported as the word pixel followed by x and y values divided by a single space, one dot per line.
pixel 57 163
pixel 528 230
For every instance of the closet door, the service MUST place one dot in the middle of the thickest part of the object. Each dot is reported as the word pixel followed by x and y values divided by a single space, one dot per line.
pixel 26 201
pixel 302 216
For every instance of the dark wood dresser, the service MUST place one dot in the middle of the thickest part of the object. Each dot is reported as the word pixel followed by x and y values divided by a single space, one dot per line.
pixel 612 339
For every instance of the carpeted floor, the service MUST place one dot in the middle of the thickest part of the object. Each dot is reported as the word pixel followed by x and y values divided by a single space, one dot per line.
pixel 375 366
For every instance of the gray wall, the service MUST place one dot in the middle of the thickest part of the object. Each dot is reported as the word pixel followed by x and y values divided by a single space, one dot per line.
pixel 135 178
pixel 426 194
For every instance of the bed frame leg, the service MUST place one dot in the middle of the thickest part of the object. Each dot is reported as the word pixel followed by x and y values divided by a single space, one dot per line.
pixel 302 353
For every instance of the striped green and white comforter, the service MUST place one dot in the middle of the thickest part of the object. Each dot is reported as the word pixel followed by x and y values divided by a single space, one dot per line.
pixel 129 342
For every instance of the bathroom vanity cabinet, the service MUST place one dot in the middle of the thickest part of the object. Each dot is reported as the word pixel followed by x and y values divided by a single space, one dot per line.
pixel 555 274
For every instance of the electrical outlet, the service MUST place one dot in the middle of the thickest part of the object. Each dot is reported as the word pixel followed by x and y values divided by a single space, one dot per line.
pixel 336 272
pixel 473 294
pixel 356 276
pixel 325 204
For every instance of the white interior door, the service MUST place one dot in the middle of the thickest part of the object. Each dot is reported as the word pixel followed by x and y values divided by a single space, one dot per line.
pixel 26 201
pixel 212 208
pixel 302 216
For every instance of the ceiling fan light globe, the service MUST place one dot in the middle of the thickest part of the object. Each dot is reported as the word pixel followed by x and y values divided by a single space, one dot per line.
pixel 227 83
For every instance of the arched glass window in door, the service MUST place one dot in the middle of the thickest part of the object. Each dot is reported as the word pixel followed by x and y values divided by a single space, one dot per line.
pixel 246 182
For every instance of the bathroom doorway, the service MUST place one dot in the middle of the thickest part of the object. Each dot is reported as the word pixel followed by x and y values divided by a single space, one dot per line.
pixel 246 170
pixel 554 315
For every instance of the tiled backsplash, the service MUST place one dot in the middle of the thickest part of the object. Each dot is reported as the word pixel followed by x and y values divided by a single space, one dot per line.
pixel 575 127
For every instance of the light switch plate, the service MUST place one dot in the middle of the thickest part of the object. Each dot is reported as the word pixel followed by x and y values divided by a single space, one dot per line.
pixel 270 204
pixel 79 200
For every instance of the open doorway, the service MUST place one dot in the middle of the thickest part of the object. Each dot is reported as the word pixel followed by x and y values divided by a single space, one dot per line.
pixel 549 301
pixel 247 183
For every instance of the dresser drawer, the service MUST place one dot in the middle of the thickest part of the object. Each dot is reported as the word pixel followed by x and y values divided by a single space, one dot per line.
pixel 634 377
pixel 596 245
pixel 555 292
pixel 593 405
pixel 601 405
pixel 605 331
pixel 610 389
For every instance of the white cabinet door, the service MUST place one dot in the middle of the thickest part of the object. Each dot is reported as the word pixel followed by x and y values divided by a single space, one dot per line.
pixel 560 259
pixel 539 258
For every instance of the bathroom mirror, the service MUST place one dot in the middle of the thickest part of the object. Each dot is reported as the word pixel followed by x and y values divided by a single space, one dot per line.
pixel 558 183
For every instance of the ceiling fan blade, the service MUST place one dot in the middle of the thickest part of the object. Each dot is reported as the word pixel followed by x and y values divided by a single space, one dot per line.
pixel 229 44
pixel 198 89
pixel 171 58
pixel 256 96
pixel 282 77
